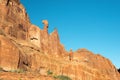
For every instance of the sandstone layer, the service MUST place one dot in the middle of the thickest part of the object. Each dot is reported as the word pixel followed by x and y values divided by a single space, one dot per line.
pixel 26 46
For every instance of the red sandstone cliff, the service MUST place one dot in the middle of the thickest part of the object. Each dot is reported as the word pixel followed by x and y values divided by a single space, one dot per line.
pixel 26 46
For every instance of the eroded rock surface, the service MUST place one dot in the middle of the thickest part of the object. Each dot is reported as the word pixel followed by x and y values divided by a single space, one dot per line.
pixel 13 19
pixel 9 54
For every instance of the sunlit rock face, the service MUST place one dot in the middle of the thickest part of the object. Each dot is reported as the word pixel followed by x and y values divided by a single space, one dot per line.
pixel 15 22
pixel 13 19
pixel 9 2
pixel 34 35
pixel 26 46
pixel 9 54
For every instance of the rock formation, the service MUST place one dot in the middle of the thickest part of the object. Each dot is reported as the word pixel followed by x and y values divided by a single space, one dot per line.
pixel 34 35
pixel 9 54
pixel 26 46
pixel 13 19
pixel 71 55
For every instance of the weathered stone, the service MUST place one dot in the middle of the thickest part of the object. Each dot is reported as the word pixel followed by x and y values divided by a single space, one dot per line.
pixel 23 76
pixel 45 22
pixel 14 20
pixel 34 35
pixel 9 54
pixel 71 55
pixel 103 66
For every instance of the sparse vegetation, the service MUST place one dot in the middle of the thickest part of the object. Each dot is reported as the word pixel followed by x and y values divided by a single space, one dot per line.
pixel 18 71
pixel 62 77
pixel 58 77
pixel 55 76
pixel 49 72
pixel 1 69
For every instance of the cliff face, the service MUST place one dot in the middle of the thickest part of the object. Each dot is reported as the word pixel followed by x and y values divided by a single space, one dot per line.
pixel 15 23
pixel 13 19
pixel 26 46
pixel 48 43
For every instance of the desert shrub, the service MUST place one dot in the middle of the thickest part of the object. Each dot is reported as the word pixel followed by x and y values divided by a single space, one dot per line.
pixel 49 72
pixel 58 77
pixel 18 71
pixel 63 77
pixel 1 69
pixel 55 76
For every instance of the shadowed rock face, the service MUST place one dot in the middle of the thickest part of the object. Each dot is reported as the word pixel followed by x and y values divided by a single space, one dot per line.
pixel 24 45
pixel 119 70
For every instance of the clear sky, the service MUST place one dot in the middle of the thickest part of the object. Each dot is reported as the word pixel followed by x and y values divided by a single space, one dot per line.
pixel 91 24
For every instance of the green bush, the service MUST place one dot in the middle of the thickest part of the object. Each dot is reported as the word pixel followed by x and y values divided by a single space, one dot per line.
pixel 55 76
pixel 49 72
pixel 58 77
pixel 62 77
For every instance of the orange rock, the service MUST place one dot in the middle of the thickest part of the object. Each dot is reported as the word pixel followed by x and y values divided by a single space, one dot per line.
pixel 34 35
pixel 13 19
pixel 9 54
pixel 71 55
pixel 24 76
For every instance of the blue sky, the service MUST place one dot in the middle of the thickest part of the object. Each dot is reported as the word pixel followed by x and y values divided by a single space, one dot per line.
pixel 91 24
